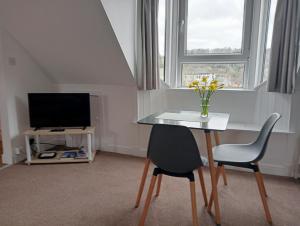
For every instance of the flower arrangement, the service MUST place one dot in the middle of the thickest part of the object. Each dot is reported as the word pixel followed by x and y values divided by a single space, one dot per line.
pixel 205 87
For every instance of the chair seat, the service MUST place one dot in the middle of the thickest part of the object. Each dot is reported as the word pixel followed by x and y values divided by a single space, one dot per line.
pixel 235 153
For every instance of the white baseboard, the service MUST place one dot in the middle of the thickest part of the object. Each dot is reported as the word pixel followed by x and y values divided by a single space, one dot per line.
pixel 278 170
pixel 266 168
pixel 5 166
pixel 138 152
pixel 297 172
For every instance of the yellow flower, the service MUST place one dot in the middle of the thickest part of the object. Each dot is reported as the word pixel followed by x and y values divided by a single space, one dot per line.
pixel 213 87
pixel 204 79
pixel 214 82
pixel 195 83
pixel 203 86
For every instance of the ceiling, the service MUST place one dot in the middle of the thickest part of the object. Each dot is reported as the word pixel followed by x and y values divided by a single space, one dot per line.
pixel 71 39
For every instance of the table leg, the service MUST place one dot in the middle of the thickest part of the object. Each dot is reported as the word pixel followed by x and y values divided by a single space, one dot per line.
pixel 218 142
pixel 213 177
pixel 28 149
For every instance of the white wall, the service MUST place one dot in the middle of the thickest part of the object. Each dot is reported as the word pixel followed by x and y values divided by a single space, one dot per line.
pixel 20 75
pixel 74 42
pixel 3 112
pixel 72 39
pixel 120 134
pixel 246 108
pixel 113 113
pixel 121 15
pixel 117 113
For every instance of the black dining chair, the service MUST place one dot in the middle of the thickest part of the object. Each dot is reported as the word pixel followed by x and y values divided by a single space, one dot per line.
pixel 175 153
pixel 247 156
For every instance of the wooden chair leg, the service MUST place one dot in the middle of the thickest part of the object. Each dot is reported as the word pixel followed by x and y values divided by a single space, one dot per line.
pixel 148 200
pixel 194 205
pixel 263 197
pixel 262 179
pixel 202 184
pixel 158 185
pixel 224 175
pixel 263 184
pixel 211 195
pixel 142 183
pixel 218 142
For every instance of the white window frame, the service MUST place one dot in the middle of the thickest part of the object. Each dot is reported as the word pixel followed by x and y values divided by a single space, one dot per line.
pixel 175 41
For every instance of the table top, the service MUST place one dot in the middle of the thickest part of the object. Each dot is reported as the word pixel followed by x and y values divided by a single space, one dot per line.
pixel 190 119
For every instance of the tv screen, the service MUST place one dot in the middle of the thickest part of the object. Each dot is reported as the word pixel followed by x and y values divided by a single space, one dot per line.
pixel 59 109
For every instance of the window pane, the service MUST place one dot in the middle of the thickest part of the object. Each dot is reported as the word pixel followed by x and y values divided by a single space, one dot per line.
pixel 161 37
pixel 231 75
pixel 269 38
pixel 214 27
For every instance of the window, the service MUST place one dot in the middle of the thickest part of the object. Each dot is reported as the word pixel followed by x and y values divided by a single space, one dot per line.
pixel 161 37
pixel 269 39
pixel 214 40
pixel 214 30
pixel 228 39
pixel 231 75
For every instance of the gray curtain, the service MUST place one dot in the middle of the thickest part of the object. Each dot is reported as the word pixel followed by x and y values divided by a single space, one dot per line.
pixel 147 55
pixel 285 47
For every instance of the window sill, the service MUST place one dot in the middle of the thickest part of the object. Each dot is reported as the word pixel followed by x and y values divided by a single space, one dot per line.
pixel 253 127
pixel 221 90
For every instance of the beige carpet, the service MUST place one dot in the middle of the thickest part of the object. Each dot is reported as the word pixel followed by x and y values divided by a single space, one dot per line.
pixel 103 194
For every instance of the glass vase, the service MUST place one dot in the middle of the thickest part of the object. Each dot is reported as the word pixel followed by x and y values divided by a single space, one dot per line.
pixel 204 108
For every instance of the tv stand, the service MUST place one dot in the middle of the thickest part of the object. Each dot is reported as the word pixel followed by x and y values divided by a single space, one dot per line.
pixel 37 128
pixel 31 159
pixel 58 130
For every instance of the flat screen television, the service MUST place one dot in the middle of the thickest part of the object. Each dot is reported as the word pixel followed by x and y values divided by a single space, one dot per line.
pixel 59 110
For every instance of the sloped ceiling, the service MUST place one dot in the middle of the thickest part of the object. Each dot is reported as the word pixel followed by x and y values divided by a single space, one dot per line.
pixel 71 39
pixel 121 14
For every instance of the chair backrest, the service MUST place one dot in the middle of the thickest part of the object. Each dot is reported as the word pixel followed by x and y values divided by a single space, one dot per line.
pixel 261 142
pixel 173 148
